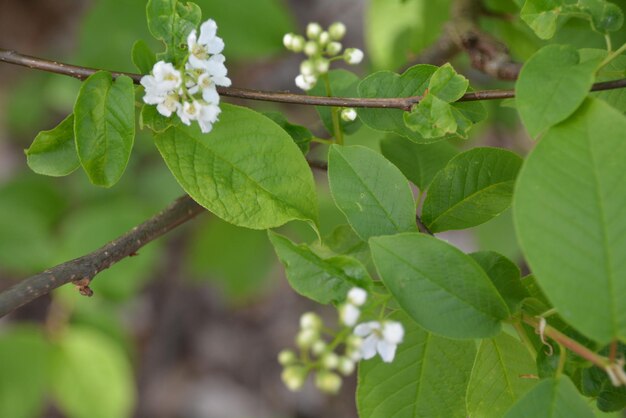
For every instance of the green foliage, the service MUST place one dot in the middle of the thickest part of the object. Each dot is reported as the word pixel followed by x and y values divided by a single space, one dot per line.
pixel 25 365
pixel 143 57
pixel 370 191
pixel 324 280
pixel 497 380
pixel 551 398
pixel 427 379
pixel 418 162
pixel 91 377
pixel 53 152
pixel 544 16
pixel 398 29
pixel 552 84
pixel 414 82
pixel 248 171
pixel 104 126
pixel 571 240
pixel 474 187
pixel 419 269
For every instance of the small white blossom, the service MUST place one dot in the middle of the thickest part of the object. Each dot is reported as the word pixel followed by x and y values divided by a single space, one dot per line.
pixel 307 68
pixel 169 105
pixel 353 56
pixel 189 112
pixel 349 314
pixel 200 48
pixel 348 114
pixel 208 116
pixel 356 295
pixel 381 337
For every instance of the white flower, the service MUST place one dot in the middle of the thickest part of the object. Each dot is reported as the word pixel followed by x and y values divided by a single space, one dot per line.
pixel 306 82
pixel 163 80
pixel 169 105
pixel 349 314
pixel 357 296
pixel 380 337
pixel 189 111
pixel 353 56
pixel 214 68
pixel 208 43
pixel 288 40
pixel 208 116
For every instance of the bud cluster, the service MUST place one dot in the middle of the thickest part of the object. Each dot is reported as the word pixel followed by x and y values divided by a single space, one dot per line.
pixel 190 91
pixel 321 47
pixel 321 357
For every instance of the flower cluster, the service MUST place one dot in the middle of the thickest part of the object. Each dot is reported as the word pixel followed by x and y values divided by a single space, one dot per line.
pixel 321 356
pixel 190 90
pixel 321 47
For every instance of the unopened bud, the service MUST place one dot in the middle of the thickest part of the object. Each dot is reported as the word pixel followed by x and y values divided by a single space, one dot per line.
pixel 318 347
pixel 311 48
pixel 307 68
pixel 346 366
pixel 324 38
pixel 330 361
pixel 337 30
pixel 286 357
pixel 349 114
pixel 321 66
pixel 288 40
pixel 313 30
pixel 297 44
pixel 310 320
pixel 334 48
pixel 306 338
pixel 353 56
pixel 328 382
pixel 293 377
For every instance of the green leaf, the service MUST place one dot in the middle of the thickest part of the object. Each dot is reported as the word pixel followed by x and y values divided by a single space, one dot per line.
pixel 372 193
pixel 343 240
pixel 413 82
pixel 505 276
pixel 474 187
pixel 611 71
pixel 92 378
pixel 427 378
pixel 171 21
pixel 573 239
pixel 418 162
pixel 343 83
pixel 104 126
pixel 151 118
pixel 605 17
pixel 300 135
pixel 24 361
pixel 432 118
pixel 497 380
pixel 541 16
pixel 322 280
pixel 143 57
pixel 399 29
pixel 551 398
pixel 247 171
pixel 552 84
pixel 53 152
pixel 441 288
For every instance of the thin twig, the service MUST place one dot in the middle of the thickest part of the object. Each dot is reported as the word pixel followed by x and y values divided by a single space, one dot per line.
pixel 82 270
pixel 404 103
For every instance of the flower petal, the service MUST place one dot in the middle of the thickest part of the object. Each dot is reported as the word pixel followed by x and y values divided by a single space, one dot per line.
pixel 393 332
pixel 368 348
pixel 366 328
pixel 386 350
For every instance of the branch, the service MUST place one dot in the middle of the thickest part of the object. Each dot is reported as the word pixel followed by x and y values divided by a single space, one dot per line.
pixel 404 103
pixel 82 270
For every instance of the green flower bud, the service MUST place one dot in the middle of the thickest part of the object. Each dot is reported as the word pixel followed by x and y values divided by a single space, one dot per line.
pixel 293 377
pixel 328 382
pixel 286 357
pixel 337 30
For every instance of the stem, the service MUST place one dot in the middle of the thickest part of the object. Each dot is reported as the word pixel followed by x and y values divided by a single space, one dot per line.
pixel 321 140
pixel 570 344
pixel 404 103
pixel 334 113
pixel 609 46
pixel 612 56
pixel 562 359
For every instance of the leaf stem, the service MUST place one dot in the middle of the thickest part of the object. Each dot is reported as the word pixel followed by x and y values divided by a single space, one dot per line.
pixel 612 55
pixel 572 345
pixel 334 113
pixel 609 46
pixel 521 332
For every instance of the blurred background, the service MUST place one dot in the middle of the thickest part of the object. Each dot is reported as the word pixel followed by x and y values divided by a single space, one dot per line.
pixel 192 325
